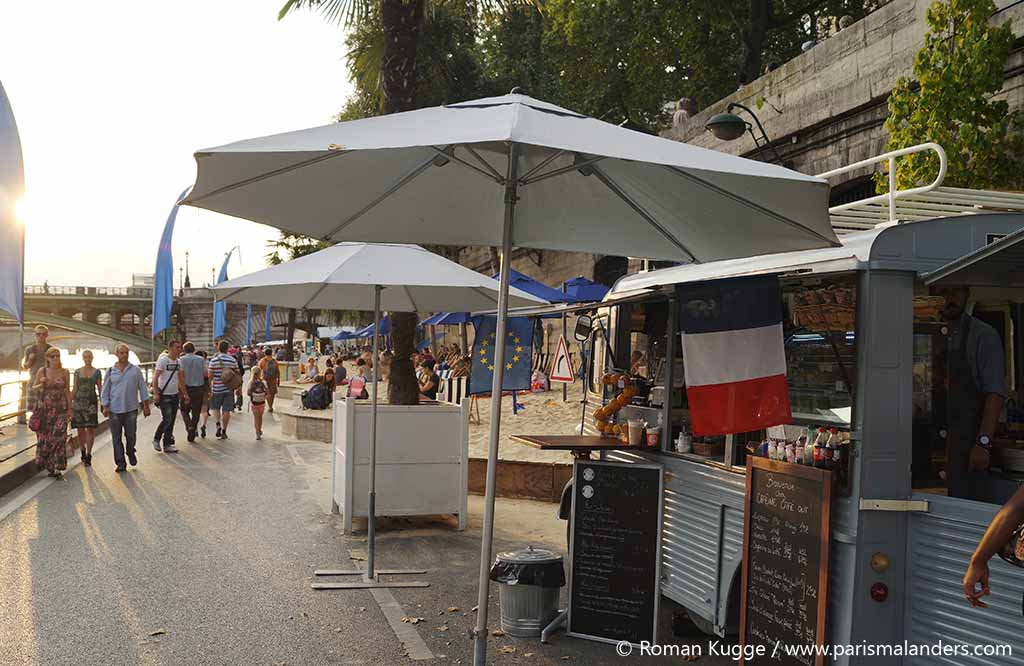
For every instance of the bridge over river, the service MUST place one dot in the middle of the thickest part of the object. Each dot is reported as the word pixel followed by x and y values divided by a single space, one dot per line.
pixel 124 314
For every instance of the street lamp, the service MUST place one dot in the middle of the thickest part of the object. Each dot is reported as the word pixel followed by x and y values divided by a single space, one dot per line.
pixel 728 126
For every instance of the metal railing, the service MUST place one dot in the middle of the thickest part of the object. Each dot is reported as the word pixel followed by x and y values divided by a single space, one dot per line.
pixel 926 202
pixel 21 401
pixel 69 290
pixel 18 403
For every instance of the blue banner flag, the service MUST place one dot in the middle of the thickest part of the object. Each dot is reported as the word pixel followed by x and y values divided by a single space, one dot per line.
pixel 220 308
pixel 163 282
pixel 266 319
pixel 248 324
pixel 12 231
pixel 518 354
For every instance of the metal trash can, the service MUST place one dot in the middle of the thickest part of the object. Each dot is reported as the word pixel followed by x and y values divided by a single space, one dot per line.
pixel 531 579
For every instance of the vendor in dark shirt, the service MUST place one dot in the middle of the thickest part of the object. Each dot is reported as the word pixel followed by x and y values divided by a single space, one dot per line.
pixel 977 389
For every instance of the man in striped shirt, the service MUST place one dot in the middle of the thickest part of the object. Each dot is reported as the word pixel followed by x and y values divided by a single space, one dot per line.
pixel 222 399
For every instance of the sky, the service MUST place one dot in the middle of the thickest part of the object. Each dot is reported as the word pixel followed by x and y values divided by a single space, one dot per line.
pixel 112 99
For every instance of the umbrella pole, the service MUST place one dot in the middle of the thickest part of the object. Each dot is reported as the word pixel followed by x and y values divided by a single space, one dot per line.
pixel 511 187
pixel 371 505
pixel 370 575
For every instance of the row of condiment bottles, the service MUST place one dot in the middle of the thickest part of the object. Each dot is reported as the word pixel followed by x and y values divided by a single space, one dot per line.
pixel 818 448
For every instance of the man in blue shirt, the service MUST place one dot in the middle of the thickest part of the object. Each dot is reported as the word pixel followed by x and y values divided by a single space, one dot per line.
pixel 123 389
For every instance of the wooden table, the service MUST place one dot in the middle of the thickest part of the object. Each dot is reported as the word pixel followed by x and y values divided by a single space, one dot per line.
pixel 579 445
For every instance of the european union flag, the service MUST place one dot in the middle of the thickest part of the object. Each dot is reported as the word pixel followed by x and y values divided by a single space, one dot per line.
pixel 518 354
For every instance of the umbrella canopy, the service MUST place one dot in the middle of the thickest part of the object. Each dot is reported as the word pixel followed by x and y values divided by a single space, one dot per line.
pixel 384 328
pixel 439 175
pixel 535 287
pixel 513 171
pixel 414 280
pixel 582 290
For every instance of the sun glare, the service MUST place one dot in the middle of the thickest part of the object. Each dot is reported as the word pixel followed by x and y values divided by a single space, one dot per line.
pixel 22 211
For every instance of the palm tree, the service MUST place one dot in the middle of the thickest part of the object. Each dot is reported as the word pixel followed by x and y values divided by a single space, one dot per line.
pixel 401 23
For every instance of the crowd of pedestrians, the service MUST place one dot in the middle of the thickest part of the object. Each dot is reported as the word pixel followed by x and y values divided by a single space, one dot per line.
pixel 185 380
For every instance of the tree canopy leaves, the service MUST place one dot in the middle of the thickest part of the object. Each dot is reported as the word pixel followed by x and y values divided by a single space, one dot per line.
pixel 951 100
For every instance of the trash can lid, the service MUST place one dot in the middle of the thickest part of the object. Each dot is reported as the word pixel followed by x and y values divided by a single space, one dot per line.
pixel 529 555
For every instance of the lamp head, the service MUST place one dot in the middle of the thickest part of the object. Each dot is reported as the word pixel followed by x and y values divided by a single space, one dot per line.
pixel 726 126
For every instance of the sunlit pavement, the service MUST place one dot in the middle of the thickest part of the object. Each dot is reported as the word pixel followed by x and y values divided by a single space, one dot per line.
pixel 206 557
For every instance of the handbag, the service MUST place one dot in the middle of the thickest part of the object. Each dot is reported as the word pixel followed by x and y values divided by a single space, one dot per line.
pixel 1012 551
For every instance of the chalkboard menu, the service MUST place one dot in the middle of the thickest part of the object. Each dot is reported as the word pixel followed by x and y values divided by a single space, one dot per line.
pixel 615 549
pixel 785 559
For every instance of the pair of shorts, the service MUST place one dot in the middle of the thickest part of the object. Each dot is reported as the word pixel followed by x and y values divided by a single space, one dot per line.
pixel 222 402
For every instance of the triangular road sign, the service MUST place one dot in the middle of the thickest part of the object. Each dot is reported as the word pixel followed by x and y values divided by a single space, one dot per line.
pixel 561 369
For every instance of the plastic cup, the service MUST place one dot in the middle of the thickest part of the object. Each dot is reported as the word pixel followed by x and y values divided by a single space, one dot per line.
pixel 636 432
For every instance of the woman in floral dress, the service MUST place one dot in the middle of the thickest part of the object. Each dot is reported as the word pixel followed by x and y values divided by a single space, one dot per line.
pixel 52 390
pixel 85 405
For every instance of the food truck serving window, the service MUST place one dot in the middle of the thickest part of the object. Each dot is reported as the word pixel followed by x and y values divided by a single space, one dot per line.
pixel 821 350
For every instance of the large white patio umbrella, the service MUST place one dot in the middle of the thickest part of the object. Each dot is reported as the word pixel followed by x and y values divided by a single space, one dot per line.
pixel 513 171
pixel 358 276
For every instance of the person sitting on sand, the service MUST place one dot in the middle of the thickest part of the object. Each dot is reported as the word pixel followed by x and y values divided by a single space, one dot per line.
pixel 429 381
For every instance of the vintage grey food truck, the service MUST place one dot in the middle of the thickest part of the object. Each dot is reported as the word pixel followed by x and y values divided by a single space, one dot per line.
pixel 868 356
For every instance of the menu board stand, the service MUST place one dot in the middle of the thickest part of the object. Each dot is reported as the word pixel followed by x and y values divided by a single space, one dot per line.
pixel 615 551
pixel 786 534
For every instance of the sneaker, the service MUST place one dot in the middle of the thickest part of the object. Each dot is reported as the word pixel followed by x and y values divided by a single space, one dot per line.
pixel 219 433
pixel 259 435
pixel 202 432
pixel 156 445
pixel 170 448
pixel 223 434
pixel 191 438
pixel 131 458
pixel 120 468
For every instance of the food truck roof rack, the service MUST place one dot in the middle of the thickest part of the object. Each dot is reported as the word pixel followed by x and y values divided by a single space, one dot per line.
pixel 926 202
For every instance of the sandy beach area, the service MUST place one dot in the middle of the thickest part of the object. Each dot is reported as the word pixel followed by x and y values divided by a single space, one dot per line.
pixel 545 414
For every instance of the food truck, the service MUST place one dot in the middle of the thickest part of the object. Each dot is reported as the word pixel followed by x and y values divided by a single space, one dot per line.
pixel 867 357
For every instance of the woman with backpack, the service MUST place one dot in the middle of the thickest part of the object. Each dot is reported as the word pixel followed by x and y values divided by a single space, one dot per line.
pixel 258 395
pixel 271 376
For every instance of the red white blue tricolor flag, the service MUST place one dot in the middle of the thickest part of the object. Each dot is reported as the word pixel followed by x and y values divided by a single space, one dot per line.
pixel 733 354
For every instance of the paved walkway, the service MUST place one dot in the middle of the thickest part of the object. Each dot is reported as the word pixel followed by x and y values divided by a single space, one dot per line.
pixel 205 557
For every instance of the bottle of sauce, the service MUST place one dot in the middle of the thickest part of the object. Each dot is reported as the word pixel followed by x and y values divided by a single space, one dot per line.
pixel 801 445
pixel 831 446
pixel 773 450
pixel 819 448
pixel 809 447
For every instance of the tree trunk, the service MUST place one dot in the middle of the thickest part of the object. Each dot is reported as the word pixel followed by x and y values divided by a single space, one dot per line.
pixel 754 39
pixel 290 336
pixel 401 21
pixel 402 386
pixel 495 260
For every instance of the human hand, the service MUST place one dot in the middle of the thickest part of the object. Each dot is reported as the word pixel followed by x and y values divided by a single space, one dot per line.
pixel 977 574
pixel 979 460
pixel 106 412
pixel 145 411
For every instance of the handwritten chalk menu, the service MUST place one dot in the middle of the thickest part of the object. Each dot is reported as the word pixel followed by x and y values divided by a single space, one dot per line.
pixel 615 549
pixel 785 558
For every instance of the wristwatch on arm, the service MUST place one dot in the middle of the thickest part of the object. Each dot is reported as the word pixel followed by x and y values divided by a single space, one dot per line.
pixel 984 442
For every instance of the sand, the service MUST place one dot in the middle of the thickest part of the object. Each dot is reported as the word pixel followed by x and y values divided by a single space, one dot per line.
pixel 545 414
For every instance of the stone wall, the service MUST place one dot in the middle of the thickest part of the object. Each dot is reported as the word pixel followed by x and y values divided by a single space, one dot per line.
pixel 825 108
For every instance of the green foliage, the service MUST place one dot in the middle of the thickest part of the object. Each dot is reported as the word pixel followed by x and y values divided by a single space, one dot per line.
pixel 951 101
pixel 292 246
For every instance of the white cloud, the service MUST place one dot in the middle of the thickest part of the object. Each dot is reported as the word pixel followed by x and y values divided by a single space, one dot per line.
pixel 112 99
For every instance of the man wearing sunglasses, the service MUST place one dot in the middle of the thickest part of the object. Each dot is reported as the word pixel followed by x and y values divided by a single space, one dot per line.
pixel 35 357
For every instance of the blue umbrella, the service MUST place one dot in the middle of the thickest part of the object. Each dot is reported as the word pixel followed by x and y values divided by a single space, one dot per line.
pixel 536 288
pixel 580 290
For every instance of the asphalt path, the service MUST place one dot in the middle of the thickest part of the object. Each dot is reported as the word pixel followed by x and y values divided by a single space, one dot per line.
pixel 206 557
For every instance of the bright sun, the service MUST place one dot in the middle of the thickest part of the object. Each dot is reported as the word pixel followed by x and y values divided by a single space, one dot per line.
pixel 22 210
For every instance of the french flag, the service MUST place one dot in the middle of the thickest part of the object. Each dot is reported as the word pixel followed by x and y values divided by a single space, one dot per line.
pixel 735 363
